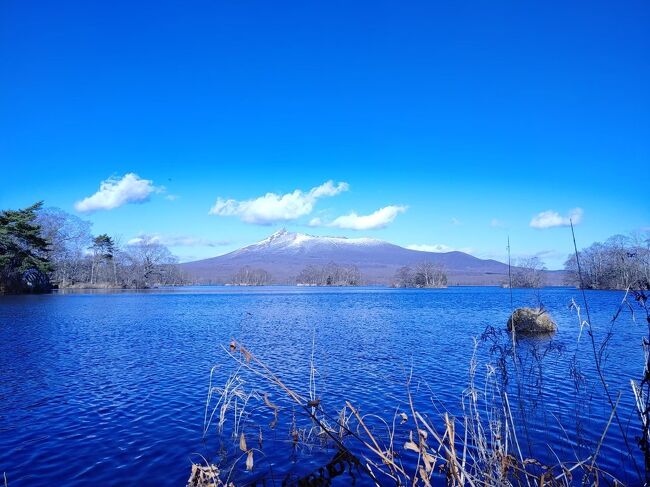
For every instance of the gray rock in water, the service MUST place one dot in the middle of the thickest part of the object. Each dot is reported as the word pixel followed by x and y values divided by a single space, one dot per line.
pixel 531 321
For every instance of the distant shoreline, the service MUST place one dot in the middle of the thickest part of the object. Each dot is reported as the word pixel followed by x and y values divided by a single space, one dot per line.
pixel 378 286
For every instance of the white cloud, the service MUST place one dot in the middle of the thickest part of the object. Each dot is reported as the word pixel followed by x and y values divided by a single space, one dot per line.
pixel 554 259
pixel 171 197
pixel 273 207
pixel 496 223
pixel 550 219
pixel 115 192
pixel 144 239
pixel 315 222
pixel 378 219
pixel 430 248
pixel 176 240
pixel 437 248
pixel 456 221
pixel 329 189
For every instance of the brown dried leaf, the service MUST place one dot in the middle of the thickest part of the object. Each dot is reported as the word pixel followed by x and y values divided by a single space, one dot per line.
pixel 429 461
pixel 404 417
pixel 247 354
pixel 249 461
pixel 242 443
pixel 269 403
pixel 424 477
pixel 411 445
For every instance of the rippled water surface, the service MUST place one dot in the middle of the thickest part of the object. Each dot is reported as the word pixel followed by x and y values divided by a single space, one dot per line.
pixel 110 389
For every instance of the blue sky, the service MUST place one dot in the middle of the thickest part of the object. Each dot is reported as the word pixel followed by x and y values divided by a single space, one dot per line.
pixel 465 119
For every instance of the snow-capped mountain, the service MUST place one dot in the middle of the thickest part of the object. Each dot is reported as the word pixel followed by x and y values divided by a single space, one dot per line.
pixel 283 241
pixel 284 254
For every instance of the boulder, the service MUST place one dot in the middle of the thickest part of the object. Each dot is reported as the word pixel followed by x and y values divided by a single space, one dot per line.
pixel 531 321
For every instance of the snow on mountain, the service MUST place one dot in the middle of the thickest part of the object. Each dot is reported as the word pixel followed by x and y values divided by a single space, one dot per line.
pixel 284 254
pixel 284 241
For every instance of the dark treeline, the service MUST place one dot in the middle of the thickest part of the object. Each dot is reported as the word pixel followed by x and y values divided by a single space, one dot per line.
pixel 45 247
pixel 424 275
pixel 331 274
pixel 620 262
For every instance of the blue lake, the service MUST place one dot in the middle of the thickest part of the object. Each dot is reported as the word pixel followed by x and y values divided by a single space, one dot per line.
pixel 110 388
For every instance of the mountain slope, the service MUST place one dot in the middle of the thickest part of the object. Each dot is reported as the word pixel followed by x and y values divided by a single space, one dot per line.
pixel 284 254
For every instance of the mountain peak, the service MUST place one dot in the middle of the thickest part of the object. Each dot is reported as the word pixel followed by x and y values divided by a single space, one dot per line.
pixel 282 235
pixel 290 243
pixel 278 234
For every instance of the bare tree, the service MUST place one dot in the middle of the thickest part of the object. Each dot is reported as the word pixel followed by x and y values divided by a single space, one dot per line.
pixel 331 274
pixel 404 277
pixel 425 275
pixel 149 263
pixel 247 276
pixel 69 236
pixel 310 276
pixel 350 275
pixel 79 259
pixel 429 275
pixel 618 263
pixel 529 273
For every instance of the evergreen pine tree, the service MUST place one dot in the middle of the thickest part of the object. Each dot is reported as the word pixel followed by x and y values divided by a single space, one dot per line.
pixel 23 252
